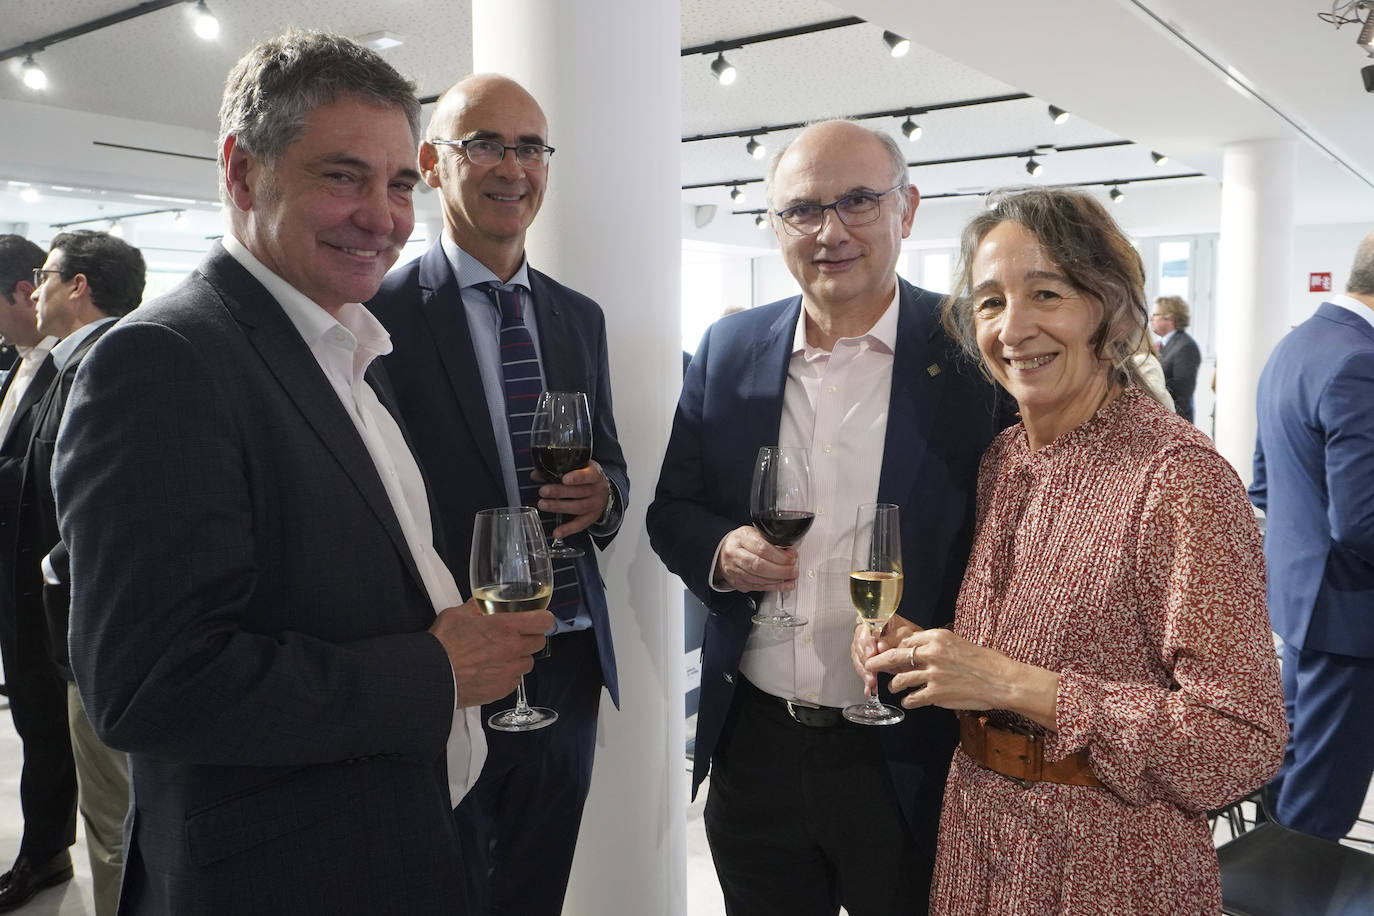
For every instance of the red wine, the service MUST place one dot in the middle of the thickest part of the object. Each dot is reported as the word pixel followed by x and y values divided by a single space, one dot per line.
pixel 556 460
pixel 783 527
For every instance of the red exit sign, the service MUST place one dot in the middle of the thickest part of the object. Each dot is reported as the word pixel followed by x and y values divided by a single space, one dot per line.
pixel 1319 283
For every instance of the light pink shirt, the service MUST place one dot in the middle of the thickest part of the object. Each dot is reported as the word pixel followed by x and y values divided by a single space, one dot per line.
pixel 834 404
pixel 344 348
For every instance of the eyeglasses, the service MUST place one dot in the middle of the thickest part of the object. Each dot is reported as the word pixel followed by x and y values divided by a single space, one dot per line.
pixel 490 152
pixel 40 274
pixel 857 209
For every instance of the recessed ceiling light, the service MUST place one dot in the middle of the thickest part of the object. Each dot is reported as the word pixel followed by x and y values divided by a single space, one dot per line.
pixel 380 41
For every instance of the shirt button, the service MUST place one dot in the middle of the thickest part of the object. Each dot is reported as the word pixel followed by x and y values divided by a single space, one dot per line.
pixel 826 448
pixel 806 640
pixel 820 512
pixel 831 389
pixel 810 574
pixel 812 697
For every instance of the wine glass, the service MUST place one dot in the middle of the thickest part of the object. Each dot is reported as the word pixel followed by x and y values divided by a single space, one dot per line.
pixel 561 439
pixel 510 570
pixel 875 587
pixel 780 507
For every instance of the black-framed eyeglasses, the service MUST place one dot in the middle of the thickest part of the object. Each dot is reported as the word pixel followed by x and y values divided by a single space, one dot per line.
pixel 41 273
pixel 857 209
pixel 490 152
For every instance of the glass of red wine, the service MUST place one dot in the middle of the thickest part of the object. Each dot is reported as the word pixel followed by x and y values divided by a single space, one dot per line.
pixel 561 439
pixel 780 507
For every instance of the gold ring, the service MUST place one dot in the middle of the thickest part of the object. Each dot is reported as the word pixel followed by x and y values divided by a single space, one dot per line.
pixel 912 658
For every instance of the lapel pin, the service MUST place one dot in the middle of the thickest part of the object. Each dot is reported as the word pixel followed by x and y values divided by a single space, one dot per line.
pixel 933 369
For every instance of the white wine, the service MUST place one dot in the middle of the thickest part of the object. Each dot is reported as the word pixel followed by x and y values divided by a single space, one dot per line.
pixel 521 596
pixel 875 594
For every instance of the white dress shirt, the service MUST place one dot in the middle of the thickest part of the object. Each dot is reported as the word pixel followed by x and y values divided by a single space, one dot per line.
pixel 835 404
pixel 344 348
pixel 30 358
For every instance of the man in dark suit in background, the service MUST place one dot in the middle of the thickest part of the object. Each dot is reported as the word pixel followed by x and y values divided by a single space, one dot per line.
pixel 89 280
pixel 1178 352
pixel 254 575
pixel 807 812
pixel 453 314
pixel 1314 478
pixel 38 699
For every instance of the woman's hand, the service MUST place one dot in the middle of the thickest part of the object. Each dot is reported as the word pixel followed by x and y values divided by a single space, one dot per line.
pixel 942 669
pixel 865 646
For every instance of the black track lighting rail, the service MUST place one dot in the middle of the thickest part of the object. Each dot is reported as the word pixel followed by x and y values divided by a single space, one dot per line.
pixel 116 217
pixel 85 28
pixel 730 44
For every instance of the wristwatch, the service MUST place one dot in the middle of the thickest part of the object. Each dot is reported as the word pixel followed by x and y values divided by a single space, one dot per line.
pixel 609 512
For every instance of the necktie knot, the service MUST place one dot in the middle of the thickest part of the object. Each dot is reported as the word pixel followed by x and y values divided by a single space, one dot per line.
pixel 507 299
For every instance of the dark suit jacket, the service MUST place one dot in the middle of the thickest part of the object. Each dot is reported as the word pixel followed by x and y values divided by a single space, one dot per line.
pixel 1314 477
pixel 37 534
pixel 248 622
pixel 1180 358
pixel 439 390
pixel 12 451
pixel 942 415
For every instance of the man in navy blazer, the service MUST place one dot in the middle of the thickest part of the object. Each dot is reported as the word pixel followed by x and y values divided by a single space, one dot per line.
pixel 1314 478
pixel 254 576
pixel 806 811
pixel 486 152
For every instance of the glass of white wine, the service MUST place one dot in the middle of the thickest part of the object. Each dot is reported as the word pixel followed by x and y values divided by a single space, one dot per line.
pixel 875 587
pixel 510 570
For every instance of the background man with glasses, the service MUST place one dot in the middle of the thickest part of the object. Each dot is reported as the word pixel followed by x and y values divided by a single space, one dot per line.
pixel 806 811
pixel 452 314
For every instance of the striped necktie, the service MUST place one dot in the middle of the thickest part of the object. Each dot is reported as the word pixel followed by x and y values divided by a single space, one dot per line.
pixel 520 373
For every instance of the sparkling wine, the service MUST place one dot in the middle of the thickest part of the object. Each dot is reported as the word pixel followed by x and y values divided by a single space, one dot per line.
pixel 505 599
pixel 783 527
pixel 875 594
pixel 556 460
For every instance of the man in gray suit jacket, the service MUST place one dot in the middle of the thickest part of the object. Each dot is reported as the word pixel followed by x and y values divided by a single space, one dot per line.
pixel 254 572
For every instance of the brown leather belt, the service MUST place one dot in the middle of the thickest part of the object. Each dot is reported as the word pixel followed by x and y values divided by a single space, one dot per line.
pixel 1019 755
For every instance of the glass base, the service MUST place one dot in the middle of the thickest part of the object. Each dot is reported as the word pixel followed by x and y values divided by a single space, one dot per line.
pixel 870 714
pixel 779 620
pixel 528 719
pixel 561 551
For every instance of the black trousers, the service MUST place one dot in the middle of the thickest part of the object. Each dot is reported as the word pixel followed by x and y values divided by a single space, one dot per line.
pixel 802 821
pixel 38 705
pixel 519 823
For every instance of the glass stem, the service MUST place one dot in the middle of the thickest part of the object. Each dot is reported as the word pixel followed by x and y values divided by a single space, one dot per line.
pixel 522 707
pixel 875 704
pixel 557 523
pixel 782 600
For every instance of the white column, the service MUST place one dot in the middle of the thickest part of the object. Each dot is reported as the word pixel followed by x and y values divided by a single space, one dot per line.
pixel 1254 283
pixel 606 74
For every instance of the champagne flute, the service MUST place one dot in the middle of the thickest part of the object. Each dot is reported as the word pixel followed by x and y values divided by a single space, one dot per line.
pixel 875 587
pixel 561 439
pixel 510 570
pixel 780 507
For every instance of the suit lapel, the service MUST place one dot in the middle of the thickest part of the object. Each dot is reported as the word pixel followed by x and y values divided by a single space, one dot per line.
pixel 42 378
pixel 441 302
pixel 919 369
pixel 562 363
pixel 765 379
pixel 287 358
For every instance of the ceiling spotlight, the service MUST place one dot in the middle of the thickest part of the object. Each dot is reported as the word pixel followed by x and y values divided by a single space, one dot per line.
pixel 205 24
pixel 1058 115
pixel 1034 167
pixel 1116 195
pixel 178 216
pixel 760 222
pixel 34 77
pixel 736 194
pixel 30 195
pixel 755 148
pixel 116 230
pixel 897 46
pixel 1159 159
pixel 911 129
pixel 380 41
pixel 1366 37
pixel 723 69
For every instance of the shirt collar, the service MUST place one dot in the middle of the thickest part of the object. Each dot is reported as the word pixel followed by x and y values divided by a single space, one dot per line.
pixel 41 349
pixel 1165 339
pixel 882 336
pixel 62 351
pixel 471 272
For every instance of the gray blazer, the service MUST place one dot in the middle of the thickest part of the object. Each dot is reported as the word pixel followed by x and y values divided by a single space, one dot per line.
pixel 248 623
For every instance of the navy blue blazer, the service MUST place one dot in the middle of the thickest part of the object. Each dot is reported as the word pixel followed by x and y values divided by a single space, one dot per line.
pixel 439 390
pixel 247 620
pixel 1314 478
pixel 941 417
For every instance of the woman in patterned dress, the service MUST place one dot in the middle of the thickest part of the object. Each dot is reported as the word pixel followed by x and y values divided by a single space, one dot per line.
pixel 1111 654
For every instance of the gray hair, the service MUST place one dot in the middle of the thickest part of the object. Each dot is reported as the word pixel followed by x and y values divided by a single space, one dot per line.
pixel 1096 257
pixel 901 175
pixel 273 89
pixel 1361 282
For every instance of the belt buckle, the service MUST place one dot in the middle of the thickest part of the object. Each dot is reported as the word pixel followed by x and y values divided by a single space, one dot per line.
pixel 1033 744
pixel 792 711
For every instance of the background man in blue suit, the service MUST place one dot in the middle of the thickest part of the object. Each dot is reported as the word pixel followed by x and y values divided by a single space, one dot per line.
pixel 254 576
pixel 1314 478
pixel 452 314
pixel 807 812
